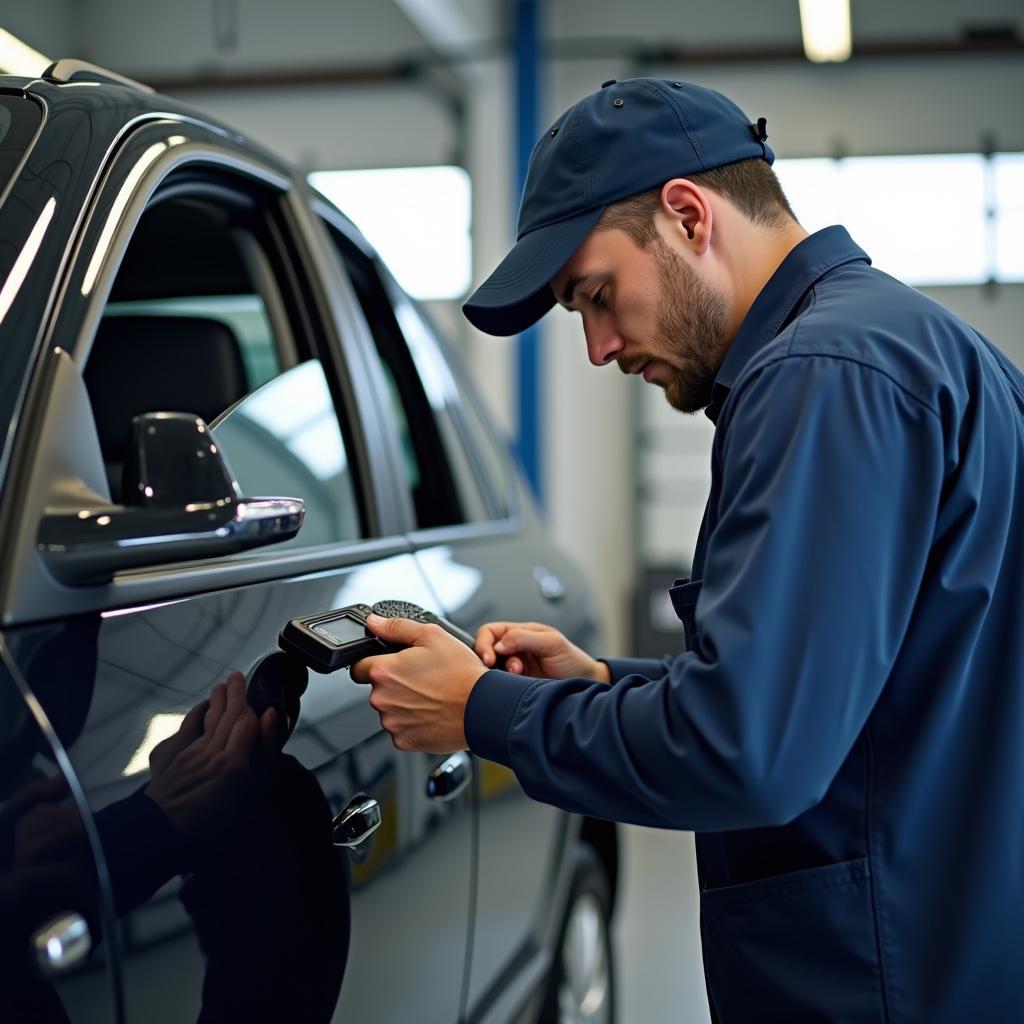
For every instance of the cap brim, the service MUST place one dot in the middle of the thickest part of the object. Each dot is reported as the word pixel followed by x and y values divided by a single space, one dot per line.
pixel 517 294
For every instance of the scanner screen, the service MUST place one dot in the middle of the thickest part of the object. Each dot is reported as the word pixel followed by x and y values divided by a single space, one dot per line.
pixel 341 631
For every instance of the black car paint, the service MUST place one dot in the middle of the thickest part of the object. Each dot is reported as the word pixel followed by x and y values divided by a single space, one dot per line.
pixel 453 906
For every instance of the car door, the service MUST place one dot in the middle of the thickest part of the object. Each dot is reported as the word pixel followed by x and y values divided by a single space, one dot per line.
pixel 194 290
pixel 58 953
pixel 481 547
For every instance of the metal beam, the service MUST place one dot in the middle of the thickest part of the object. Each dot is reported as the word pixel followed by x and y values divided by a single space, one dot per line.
pixel 530 404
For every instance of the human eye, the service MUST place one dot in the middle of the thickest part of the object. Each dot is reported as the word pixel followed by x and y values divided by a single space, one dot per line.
pixel 599 297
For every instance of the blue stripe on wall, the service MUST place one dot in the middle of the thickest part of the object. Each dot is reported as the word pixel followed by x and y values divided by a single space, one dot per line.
pixel 529 435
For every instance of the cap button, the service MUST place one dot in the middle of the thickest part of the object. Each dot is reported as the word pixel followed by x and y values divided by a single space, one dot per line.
pixel 611 81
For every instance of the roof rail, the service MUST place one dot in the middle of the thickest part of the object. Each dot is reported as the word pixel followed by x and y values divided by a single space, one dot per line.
pixel 67 69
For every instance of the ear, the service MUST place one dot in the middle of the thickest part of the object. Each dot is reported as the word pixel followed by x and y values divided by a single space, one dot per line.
pixel 689 212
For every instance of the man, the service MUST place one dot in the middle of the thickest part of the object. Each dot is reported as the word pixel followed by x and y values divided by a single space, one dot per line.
pixel 845 730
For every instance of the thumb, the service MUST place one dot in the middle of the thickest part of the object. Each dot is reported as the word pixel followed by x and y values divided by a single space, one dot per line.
pixel 404 632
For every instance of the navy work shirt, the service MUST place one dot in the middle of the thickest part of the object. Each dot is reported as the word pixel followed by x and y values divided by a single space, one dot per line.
pixel 845 731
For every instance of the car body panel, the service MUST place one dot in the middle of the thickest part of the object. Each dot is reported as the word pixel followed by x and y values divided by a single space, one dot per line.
pixel 448 911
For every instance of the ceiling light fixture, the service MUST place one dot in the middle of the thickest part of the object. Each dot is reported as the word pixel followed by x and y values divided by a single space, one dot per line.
pixel 825 26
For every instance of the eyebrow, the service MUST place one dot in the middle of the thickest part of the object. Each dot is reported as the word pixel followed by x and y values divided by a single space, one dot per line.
pixel 570 288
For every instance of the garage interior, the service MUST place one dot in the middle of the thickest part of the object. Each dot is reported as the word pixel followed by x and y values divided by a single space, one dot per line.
pixel 468 85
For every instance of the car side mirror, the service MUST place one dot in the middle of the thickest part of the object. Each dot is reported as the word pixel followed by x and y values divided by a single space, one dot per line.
pixel 181 503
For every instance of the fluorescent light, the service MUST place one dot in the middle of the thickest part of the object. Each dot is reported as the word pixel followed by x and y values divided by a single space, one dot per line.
pixel 18 59
pixel 825 25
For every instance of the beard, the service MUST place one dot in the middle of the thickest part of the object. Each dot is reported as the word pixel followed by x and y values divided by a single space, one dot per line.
pixel 690 332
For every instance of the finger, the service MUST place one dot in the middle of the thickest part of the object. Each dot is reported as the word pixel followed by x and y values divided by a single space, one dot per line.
pixel 241 738
pixel 360 670
pixel 528 641
pixel 515 666
pixel 215 708
pixel 236 708
pixel 41 791
pixel 486 637
pixel 490 635
pixel 270 730
pixel 397 631
pixel 191 727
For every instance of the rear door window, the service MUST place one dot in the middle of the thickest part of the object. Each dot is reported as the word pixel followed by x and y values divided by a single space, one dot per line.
pixel 451 482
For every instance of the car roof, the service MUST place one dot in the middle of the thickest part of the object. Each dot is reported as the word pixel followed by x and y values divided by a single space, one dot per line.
pixel 59 83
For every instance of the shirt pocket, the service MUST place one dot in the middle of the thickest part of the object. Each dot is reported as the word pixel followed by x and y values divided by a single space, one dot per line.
pixel 795 948
pixel 683 595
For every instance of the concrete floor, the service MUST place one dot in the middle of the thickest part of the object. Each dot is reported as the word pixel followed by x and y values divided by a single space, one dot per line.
pixel 657 941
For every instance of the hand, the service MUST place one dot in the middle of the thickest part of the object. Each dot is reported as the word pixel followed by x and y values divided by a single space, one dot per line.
pixel 420 693
pixel 196 772
pixel 533 649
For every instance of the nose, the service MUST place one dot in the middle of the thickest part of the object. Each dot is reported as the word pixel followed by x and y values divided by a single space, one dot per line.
pixel 603 341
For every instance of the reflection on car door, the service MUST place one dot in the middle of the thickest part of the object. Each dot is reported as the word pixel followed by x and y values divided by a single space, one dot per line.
pixel 238 906
pixel 57 957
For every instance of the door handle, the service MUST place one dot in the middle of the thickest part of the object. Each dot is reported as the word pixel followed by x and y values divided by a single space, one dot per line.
pixel 61 943
pixel 357 822
pixel 450 777
pixel 551 587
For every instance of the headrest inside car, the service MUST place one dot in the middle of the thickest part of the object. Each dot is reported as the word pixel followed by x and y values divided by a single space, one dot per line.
pixel 142 364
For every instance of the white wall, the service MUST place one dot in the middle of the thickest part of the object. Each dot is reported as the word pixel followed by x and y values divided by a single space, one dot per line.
pixel 46 25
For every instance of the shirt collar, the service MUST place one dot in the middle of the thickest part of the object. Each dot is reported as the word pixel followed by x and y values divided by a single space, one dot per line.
pixel 808 261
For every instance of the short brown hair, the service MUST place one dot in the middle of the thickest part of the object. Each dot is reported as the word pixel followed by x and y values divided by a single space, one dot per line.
pixel 750 185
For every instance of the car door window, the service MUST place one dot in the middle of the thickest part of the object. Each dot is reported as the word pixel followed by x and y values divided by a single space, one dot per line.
pixel 449 481
pixel 198 321
pixel 478 458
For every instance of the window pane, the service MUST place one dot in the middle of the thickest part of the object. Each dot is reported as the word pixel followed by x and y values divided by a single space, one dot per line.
pixel 812 188
pixel 897 208
pixel 443 396
pixel 284 440
pixel 1009 190
pixel 190 327
pixel 245 315
pixel 417 218
pixel 901 210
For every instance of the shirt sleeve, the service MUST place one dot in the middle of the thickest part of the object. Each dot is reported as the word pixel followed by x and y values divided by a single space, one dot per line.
pixel 830 479
pixel 651 668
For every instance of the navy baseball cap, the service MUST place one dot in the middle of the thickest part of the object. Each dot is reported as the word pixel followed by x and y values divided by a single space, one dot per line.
pixel 624 139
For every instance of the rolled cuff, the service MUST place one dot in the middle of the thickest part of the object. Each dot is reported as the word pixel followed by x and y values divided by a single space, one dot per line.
pixel 649 668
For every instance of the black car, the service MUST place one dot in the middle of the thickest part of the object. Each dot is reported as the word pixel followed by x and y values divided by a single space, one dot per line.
pixel 221 413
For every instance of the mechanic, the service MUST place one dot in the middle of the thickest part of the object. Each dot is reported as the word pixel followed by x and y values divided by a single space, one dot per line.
pixel 845 729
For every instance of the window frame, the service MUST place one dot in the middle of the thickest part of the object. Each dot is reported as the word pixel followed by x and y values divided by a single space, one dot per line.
pixel 29 593
pixel 501 498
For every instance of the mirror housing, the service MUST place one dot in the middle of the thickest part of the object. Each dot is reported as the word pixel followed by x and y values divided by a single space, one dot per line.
pixel 181 503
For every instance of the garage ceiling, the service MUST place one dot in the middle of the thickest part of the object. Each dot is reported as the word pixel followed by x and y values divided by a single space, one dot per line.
pixel 156 40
